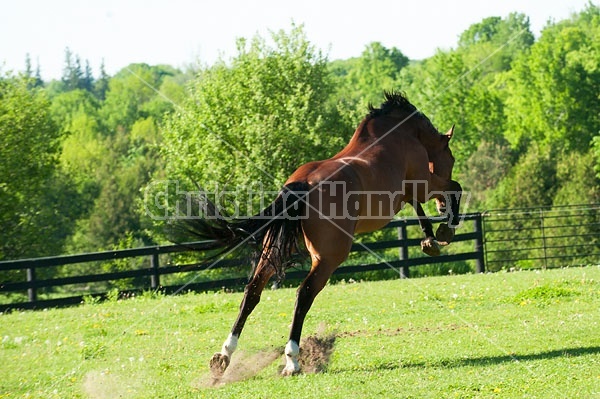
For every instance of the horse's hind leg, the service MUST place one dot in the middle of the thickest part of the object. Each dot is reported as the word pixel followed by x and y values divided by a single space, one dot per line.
pixel 220 360
pixel 317 278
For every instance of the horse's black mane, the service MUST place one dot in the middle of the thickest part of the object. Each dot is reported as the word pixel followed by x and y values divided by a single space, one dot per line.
pixel 394 101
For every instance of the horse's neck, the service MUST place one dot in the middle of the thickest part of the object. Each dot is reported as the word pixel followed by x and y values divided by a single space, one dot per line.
pixel 396 129
pixel 360 137
pixel 378 129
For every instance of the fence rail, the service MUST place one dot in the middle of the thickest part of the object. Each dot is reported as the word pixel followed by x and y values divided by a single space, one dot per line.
pixel 153 273
pixel 544 236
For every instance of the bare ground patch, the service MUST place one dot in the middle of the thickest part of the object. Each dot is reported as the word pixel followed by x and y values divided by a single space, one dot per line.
pixel 105 385
pixel 242 367
pixel 315 352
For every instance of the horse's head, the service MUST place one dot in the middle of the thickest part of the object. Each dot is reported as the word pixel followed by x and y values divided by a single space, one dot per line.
pixel 441 160
pixel 441 163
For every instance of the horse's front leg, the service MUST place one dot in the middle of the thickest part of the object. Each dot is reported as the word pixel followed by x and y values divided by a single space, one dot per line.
pixel 452 194
pixel 220 360
pixel 429 244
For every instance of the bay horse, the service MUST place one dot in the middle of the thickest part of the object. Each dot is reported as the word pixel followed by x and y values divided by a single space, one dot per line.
pixel 395 156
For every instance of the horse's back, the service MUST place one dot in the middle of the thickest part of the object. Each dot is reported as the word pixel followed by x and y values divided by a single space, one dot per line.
pixel 332 212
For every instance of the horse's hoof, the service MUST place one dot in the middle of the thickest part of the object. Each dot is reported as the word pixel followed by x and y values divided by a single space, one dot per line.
pixel 287 372
pixel 444 234
pixel 218 364
pixel 430 246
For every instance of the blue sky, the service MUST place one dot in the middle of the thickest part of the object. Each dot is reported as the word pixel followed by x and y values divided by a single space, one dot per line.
pixel 180 32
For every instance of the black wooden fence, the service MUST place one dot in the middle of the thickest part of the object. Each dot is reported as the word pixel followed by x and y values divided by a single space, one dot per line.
pixel 500 239
pixel 153 271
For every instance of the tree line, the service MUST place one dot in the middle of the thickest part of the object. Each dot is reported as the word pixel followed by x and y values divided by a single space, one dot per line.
pixel 83 157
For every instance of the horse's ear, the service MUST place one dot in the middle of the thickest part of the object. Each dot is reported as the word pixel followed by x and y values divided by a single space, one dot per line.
pixel 450 132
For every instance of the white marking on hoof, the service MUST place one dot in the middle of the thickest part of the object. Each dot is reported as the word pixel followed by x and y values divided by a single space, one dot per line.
pixel 292 350
pixel 229 345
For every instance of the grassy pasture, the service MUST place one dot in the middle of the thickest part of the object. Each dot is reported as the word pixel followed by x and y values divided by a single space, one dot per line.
pixel 523 335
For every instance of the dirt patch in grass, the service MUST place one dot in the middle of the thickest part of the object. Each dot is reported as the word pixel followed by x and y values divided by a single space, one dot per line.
pixel 104 385
pixel 392 332
pixel 242 367
pixel 315 352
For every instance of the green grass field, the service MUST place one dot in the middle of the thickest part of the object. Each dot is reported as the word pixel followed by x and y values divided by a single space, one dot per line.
pixel 522 335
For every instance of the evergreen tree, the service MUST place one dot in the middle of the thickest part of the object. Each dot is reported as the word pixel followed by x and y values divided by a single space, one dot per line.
pixel 88 78
pixel 28 70
pixel 74 77
pixel 101 84
pixel 33 79
pixel 38 76
pixel 70 77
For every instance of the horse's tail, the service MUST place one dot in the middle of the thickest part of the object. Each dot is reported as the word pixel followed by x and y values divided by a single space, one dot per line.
pixel 273 232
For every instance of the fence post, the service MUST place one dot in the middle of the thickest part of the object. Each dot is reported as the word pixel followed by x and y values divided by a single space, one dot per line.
pixel 155 276
pixel 403 250
pixel 478 229
pixel 543 238
pixel 31 291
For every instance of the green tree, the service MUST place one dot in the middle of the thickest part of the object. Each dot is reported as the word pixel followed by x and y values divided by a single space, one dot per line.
pixel 101 84
pixel 34 77
pixel 68 105
pixel 596 154
pixel 250 122
pixel 577 183
pixel 87 83
pixel 77 114
pixel 133 94
pixel 449 92
pixel 552 89
pixel 376 70
pixel 111 150
pixel 532 182
pixel 362 80
pixel 487 166
pixel 493 43
pixel 466 87
pixel 29 149
pixel 72 76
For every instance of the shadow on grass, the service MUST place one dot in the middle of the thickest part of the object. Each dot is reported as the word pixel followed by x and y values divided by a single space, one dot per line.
pixel 477 361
